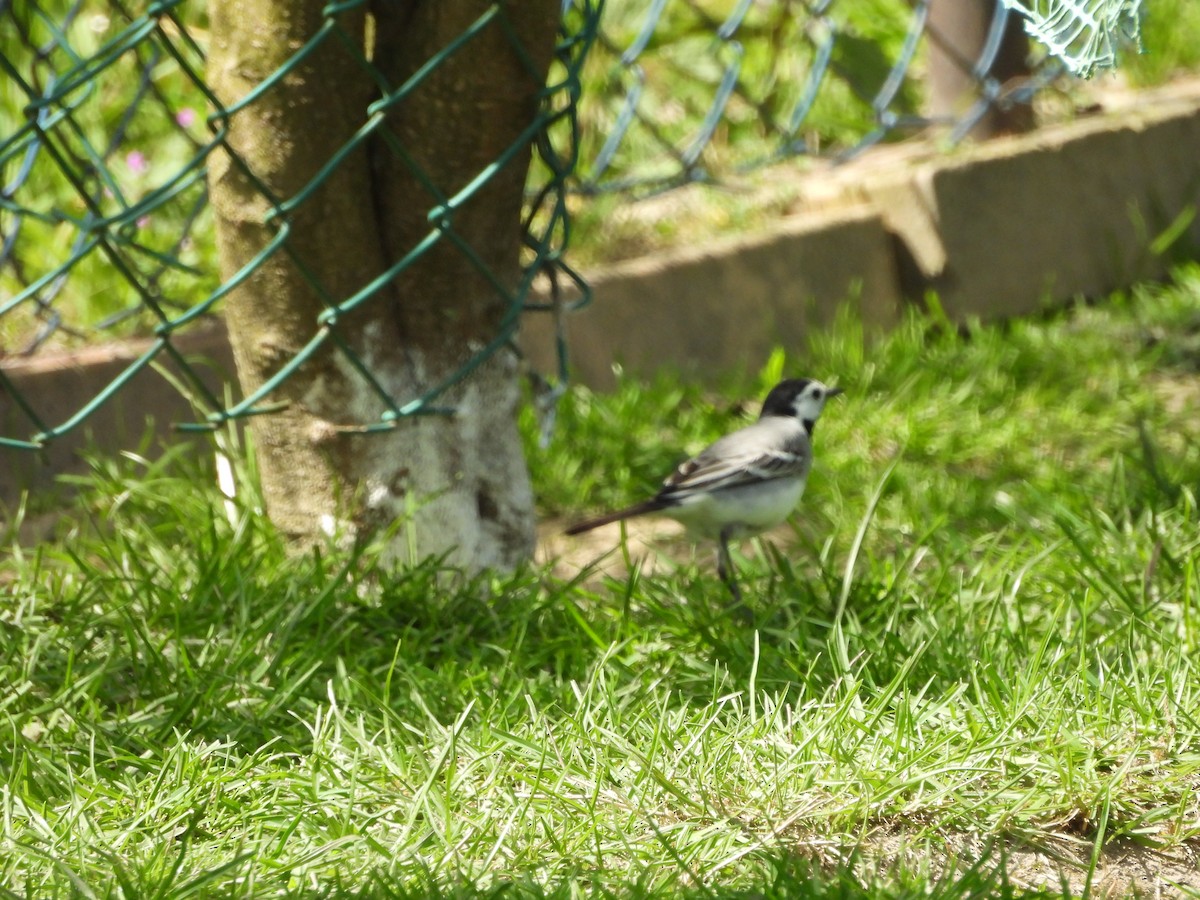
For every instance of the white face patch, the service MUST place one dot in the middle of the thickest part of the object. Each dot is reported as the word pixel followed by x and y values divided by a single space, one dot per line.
pixel 808 405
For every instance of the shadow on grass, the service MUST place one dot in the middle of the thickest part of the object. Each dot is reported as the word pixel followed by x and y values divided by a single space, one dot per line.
pixel 780 874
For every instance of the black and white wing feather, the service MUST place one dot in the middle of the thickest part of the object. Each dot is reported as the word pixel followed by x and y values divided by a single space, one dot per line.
pixel 751 456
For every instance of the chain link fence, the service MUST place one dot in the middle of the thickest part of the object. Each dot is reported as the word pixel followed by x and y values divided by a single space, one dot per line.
pixel 107 125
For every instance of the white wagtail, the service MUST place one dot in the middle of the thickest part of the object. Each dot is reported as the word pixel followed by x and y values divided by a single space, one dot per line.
pixel 744 483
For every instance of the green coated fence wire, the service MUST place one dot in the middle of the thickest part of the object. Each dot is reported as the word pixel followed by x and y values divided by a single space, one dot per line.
pixel 107 128
pixel 107 125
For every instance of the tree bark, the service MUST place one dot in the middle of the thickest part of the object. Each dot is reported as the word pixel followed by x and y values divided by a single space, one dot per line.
pixel 958 34
pixel 459 482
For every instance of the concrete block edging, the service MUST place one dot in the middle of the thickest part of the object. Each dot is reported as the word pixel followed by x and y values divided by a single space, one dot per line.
pixel 998 229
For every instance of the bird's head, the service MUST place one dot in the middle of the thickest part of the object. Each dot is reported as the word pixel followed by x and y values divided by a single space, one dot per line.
pixel 799 397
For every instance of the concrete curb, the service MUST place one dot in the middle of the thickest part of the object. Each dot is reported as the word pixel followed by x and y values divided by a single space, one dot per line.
pixel 56 385
pixel 999 229
pixel 727 303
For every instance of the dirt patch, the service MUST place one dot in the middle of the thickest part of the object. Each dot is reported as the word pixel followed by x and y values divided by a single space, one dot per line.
pixel 1179 396
pixel 653 544
pixel 1123 868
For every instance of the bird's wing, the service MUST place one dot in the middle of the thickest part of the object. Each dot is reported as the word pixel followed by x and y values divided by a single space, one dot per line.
pixel 748 456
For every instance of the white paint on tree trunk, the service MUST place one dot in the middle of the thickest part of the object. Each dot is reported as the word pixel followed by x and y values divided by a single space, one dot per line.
pixel 458 482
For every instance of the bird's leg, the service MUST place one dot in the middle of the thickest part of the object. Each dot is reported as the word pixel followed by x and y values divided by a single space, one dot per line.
pixel 725 565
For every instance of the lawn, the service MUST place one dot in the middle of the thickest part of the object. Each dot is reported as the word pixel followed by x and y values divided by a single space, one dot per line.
pixel 968 669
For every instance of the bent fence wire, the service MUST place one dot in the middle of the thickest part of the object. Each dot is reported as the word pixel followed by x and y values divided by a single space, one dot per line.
pixel 107 125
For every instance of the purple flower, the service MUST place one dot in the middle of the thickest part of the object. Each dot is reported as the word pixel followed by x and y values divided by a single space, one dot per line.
pixel 143 221
pixel 136 161
pixel 186 117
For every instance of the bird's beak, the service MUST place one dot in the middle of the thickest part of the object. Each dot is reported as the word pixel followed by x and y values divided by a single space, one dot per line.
pixel 833 392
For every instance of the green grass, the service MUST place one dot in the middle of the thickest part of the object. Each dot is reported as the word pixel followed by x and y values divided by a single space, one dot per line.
pixel 1006 662
pixel 1169 44
pixel 124 140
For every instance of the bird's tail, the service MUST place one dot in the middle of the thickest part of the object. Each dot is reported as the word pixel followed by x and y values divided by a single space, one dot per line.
pixel 638 509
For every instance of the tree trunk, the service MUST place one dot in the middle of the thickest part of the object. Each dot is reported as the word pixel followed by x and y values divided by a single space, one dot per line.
pixel 458 482
pixel 958 34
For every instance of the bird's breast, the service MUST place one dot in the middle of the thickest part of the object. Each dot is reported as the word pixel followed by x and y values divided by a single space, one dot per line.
pixel 744 510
